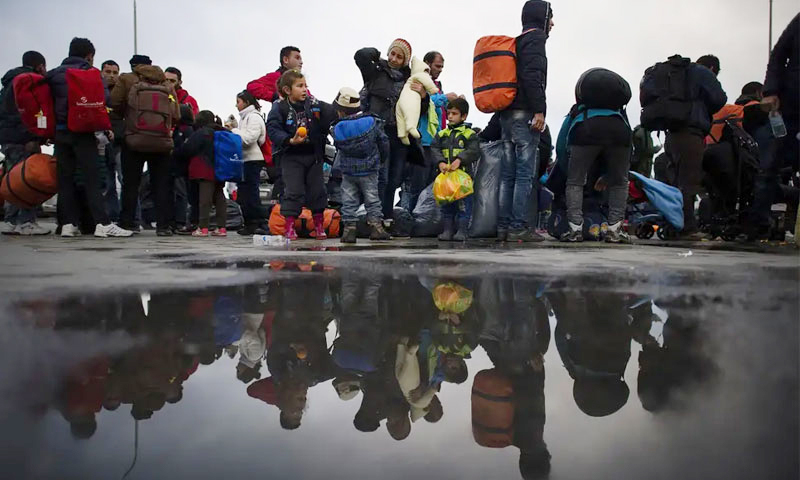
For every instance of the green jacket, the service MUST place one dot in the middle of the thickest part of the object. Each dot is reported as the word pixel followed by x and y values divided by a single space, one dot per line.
pixel 457 142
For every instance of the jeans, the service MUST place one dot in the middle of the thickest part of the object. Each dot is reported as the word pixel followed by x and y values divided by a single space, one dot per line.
pixel 112 199
pixel 460 210
pixel 249 196
pixel 391 174
pixel 521 161
pixel 71 150
pixel 581 160
pixel 686 150
pixel 158 165
pixel 356 190
pixel 774 154
pixel 13 214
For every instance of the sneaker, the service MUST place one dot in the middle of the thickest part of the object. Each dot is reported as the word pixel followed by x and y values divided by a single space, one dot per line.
pixel 163 232
pixel 110 230
pixel 615 234
pixel 32 228
pixel 184 230
pixel 136 229
pixel 247 231
pixel 69 230
pixel 200 232
pixel 378 233
pixel 573 235
pixel 7 228
pixel 221 232
pixel 527 236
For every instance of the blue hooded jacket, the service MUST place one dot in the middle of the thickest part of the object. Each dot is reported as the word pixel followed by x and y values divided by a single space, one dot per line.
pixel 361 144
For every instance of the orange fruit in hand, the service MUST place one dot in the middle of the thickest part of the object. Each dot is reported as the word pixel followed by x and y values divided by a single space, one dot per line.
pixel 302 131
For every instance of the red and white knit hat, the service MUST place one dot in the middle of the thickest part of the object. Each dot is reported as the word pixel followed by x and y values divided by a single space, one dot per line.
pixel 404 46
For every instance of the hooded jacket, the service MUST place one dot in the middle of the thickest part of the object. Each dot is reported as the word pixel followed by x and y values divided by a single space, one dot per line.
pixel 361 144
pixel 12 131
pixel 57 78
pixel 783 71
pixel 253 131
pixel 185 99
pixel 532 57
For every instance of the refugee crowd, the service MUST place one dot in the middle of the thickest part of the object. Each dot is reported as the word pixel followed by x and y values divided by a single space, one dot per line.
pixel 390 345
pixel 336 167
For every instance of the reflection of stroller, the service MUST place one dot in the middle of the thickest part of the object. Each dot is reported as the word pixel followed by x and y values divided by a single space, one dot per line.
pixel 653 207
pixel 730 168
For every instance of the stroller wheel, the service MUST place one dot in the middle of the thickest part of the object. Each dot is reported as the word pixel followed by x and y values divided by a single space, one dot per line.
pixel 645 231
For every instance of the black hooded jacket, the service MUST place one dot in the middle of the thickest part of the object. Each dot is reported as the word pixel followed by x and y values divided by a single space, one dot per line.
pixel 783 71
pixel 532 57
pixel 12 131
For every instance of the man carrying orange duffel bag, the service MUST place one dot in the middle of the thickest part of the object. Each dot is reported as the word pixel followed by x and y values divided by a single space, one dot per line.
pixel 17 143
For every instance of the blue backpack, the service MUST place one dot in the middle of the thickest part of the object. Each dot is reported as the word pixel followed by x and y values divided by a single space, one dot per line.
pixel 228 157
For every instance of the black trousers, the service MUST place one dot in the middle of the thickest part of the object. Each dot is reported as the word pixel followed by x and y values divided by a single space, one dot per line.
pixel 302 176
pixel 73 150
pixel 158 164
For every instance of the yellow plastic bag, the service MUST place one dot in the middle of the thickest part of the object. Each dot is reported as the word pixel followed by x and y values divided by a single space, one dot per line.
pixel 452 297
pixel 451 186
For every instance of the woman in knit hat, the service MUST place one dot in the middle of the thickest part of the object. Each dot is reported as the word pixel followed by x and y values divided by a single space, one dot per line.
pixel 383 81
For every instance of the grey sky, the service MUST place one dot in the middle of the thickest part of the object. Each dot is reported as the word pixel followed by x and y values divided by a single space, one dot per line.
pixel 221 45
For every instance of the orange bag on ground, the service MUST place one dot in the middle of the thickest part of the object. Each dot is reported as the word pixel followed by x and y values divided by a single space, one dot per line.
pixel 304 225
pixel 31 182
pixel 492 409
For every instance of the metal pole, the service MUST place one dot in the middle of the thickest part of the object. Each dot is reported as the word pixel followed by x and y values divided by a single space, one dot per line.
pixel 135 33
pixel 770 29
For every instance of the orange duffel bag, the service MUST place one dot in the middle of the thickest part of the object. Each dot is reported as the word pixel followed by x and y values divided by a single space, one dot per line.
pixel 31 182
pixel 492 409
pixel 304 225
pixel 494 73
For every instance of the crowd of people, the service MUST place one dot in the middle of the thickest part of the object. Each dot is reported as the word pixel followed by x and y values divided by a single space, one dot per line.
pixel 155 121
pixel 399 342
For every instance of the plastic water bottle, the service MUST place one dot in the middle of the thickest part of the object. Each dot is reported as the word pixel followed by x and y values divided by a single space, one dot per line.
pixel 776 122
pixel 270 241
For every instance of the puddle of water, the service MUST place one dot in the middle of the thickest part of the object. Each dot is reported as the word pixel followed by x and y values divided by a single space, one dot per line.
pixel 340 374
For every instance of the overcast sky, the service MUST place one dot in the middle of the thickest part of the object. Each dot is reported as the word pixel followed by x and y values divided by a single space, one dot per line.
pixel 221 45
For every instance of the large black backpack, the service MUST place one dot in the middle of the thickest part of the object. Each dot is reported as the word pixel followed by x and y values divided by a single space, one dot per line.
pixel 602 88
pixel 665 95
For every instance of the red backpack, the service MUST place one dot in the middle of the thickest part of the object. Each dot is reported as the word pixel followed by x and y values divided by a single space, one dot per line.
pixel 86 101
pixel 35 104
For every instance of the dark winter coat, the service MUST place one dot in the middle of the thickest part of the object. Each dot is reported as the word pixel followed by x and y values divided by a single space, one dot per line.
pixel 12 131
pixel 783 71
pixel 532 57
pixel 382 84
pixel 57 78
pixel 361 144
pixel 708 97
pixel 283 121
pixel 459 142
pixel 198 151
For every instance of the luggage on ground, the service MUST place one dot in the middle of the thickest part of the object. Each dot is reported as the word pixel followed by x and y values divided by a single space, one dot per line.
pixel 34 101
pixel 487 190
pixel 427 216
pixel 228 157
pixel 304 225
pixel 86 101
pixel 492 409
pixel 31 182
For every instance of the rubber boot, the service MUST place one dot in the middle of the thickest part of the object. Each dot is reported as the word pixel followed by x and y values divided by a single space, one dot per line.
pixel 447 233
pixel 291 234
pixel 319 226
pixel 463 230
pixel 350 233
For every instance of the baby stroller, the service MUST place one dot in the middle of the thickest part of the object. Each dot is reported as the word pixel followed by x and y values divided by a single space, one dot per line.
pixel 653 208
pixel 730 168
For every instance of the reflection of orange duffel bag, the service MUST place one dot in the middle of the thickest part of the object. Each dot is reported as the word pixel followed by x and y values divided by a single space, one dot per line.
pixel 31 182
pixel 304 225
pixel 492 409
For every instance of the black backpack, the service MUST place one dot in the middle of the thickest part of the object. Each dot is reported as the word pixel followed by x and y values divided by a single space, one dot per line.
pixel 602 88
pixel 665 95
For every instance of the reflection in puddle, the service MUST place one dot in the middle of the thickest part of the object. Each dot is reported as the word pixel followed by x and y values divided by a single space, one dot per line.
pixel 456 368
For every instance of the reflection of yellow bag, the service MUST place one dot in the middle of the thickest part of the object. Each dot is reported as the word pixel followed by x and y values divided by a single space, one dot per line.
pixel 451 186
pixel 452 297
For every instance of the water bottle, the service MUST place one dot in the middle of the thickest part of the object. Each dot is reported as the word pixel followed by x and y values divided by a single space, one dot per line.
pixel 776 122
pixel 270 241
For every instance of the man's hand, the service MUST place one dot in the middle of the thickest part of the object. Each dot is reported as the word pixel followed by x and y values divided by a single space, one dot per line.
pixel 442 167
pixel 455 165
pixel 771 103
pixel 538 123
pixel 419 88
